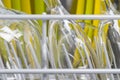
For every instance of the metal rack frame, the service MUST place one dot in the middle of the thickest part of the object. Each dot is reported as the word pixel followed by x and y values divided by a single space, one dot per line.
pixel 58 71
pixel 53 17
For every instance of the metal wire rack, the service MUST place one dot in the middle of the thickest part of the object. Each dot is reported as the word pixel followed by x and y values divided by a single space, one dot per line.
pixel 59 71
pixel 53 17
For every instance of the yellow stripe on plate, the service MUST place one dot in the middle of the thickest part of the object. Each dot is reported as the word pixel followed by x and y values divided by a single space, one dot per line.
pixel 38 8
pixel 7 3
pixel 16 4
pixel 26 6
pixel 88 10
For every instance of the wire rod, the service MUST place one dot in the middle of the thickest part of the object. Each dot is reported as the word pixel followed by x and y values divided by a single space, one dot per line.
pixel 53 17
pixel 58 71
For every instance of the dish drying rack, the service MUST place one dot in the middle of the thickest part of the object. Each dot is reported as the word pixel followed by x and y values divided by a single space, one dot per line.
pixel 46 71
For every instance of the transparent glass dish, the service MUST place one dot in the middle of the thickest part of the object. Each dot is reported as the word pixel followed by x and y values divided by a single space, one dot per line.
pixel 20 45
